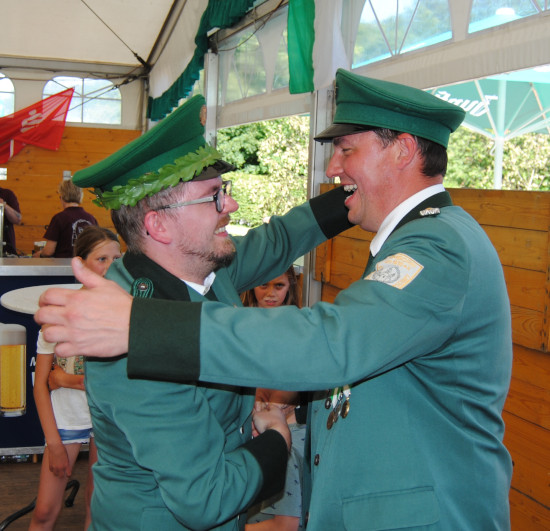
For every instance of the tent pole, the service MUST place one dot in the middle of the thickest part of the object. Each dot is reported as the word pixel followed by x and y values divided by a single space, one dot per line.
pixel 499 151
pixel 499 133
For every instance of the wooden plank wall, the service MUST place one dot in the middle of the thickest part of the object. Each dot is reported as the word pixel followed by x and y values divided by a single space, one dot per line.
pixel 34 174
pixel 518 224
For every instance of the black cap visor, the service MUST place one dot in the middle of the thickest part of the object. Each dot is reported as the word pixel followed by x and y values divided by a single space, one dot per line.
pixel 336 130
pixel 214 170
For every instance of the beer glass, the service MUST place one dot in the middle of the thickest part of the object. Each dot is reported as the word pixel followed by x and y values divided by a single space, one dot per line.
pixel 13 370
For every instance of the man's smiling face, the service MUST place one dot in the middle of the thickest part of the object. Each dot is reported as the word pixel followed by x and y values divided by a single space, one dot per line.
pixel 364 166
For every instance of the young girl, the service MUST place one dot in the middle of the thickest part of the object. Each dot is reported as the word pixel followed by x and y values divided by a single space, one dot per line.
pixel 283 511
pixel 280 291
pixel 64 413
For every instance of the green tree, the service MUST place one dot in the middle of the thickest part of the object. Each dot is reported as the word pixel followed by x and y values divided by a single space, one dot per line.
pixel 525 166
pixel 471 161
pixel 272 158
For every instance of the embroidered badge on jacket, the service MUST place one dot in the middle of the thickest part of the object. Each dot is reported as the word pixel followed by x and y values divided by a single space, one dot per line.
pixel 398 270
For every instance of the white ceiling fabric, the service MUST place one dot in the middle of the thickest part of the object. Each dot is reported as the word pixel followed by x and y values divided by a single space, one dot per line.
pixel 67 30
pixel 179 49
pixel 64 36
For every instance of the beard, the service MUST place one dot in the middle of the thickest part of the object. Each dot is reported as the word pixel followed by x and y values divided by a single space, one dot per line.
pixel 212 260
pixel 221 259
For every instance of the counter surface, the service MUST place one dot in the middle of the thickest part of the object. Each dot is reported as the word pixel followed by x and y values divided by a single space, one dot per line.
pixel 22 267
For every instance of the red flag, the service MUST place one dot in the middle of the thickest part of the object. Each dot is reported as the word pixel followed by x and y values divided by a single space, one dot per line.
pixel 41 125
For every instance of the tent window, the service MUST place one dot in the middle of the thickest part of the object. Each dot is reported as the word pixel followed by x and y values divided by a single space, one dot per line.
pixel 489 13
pixel 247 73
pixel 254 61
pixel 7 96
pixel 282 76
pixel 392 27
pixel 95 101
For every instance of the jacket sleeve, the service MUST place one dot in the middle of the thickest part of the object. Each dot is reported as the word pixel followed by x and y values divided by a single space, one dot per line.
pixel 317 348
pixel 268 250
pixel 263 254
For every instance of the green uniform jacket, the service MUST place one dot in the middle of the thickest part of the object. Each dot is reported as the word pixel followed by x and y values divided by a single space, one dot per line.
pixel 424 340
pixel 174 456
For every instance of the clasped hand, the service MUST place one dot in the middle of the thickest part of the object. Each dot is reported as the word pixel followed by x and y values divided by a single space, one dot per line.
pixel 269 416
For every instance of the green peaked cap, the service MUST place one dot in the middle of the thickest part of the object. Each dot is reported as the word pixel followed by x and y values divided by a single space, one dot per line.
pixel 172 151
pixel 364 103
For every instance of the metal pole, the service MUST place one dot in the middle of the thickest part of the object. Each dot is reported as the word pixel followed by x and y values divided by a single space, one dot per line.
pixel 2 230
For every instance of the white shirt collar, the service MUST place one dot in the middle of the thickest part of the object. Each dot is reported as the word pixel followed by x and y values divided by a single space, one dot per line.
pixel 398 213
pixel 202 289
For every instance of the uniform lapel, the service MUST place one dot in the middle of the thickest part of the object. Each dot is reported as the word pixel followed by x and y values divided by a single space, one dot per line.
pixel 427 208
pixel 162 285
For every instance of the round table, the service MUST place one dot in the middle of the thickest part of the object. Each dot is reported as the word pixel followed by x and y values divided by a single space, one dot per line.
pixel 25 300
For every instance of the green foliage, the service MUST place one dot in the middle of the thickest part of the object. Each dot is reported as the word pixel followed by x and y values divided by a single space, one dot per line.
pixel 526 162
pixel 471 161
pixel 272 157
pixel 183 169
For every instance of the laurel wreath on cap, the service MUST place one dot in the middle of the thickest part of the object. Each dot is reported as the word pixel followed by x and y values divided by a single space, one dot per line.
pixel 183 169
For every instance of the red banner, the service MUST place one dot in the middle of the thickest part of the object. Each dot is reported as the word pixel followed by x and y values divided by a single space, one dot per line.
pixel 41 125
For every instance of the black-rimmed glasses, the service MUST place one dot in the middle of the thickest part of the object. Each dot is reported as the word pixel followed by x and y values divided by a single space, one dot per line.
pixel 218 198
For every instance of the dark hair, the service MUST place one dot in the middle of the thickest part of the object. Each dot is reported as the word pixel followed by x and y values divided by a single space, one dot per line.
pixel 87 240
pixel 292 296
pixel 434 155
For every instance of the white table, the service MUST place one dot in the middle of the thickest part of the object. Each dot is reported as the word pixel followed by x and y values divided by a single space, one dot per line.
pixel 25 300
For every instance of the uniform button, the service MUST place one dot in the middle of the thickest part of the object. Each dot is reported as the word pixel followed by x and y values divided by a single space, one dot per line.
pixel 316 459
pixel 241 429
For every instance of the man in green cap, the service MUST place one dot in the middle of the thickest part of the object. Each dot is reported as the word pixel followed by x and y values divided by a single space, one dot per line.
pixel 174 456
pixel 417 354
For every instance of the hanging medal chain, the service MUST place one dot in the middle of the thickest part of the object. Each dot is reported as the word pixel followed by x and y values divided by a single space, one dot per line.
pixel 339 394
pixel 340 404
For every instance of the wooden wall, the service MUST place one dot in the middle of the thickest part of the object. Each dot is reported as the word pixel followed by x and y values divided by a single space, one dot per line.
pixel 518 224
pixel 34 174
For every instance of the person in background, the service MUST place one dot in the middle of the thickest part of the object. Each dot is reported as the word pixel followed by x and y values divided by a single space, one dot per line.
pixel 64 414
pixel 12 216
pixel 66 225
pixel 283 290
pixel 417 352
pixel 283 511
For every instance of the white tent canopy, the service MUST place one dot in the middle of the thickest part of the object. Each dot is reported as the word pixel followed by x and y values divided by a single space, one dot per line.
pixel 116 38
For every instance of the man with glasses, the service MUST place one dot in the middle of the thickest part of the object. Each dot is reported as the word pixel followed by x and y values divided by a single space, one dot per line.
pixel 174 456
pixel 218 198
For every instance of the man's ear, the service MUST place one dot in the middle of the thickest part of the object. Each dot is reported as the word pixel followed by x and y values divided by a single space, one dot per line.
pixel 156 227
pixel 407 149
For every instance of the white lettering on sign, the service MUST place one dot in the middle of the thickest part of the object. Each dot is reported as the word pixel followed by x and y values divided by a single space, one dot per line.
pixel 474 107
pixel 31 121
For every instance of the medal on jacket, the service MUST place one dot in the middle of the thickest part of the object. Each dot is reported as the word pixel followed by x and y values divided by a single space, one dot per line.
pixel 143 288
pixel 339 401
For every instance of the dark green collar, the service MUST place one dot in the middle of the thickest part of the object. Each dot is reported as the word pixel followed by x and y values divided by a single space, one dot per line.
pixel 437 201
pixel 440 200
pixel 151 280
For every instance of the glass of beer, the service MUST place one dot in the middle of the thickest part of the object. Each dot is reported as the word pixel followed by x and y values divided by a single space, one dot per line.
pixel 13 370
